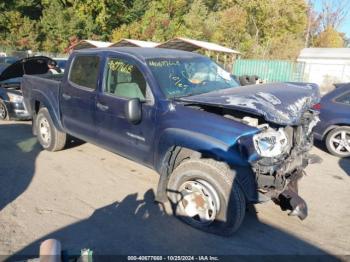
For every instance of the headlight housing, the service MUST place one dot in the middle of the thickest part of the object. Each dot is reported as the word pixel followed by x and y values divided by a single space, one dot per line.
pixel 15 98
pixel 271 143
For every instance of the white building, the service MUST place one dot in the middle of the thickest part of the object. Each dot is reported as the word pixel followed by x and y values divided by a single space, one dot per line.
pixel 326 66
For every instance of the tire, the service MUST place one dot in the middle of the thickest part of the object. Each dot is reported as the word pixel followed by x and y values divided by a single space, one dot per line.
pixel 253 79
pixel 244 80
pixel 210 184
pixel 338 141
pixel 3 111
pixel 50 138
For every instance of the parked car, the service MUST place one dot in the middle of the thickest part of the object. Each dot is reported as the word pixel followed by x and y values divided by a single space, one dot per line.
pixel 334 127
pixel 216 146
pixel 11 100
pixel 61 62
pixel 3 67
pixel 8 59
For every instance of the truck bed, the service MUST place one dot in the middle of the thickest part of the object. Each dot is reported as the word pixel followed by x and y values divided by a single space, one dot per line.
pixel 42 88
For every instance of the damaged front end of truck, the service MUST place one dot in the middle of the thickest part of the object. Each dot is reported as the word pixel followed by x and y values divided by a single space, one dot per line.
pixel 280 150
pixel 279 161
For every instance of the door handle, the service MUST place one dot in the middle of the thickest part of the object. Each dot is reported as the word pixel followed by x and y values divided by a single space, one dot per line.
pixel 102 107
pixel 66 96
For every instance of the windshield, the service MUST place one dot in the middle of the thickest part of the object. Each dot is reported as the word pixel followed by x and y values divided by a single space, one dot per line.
pixel 189 76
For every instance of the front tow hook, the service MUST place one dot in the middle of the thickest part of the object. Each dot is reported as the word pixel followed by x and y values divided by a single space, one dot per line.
pixel 289 200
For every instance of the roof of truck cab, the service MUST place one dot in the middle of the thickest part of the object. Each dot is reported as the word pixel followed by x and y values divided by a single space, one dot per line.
pixel 142 52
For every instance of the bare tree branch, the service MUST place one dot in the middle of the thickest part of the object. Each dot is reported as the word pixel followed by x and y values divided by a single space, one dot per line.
pixel 333 13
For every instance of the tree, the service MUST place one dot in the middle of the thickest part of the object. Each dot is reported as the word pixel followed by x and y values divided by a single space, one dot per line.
pixel 324 25
pixel 135 10
pixel 102 16
pixel 162 21
pixel 18 25
pixel 259 29
pixel 57 26
pixel 21 32
pixel 329 38
pixel 195 21
pixel 333 13
pixel 132 30
pixel 270 23
pixel 233 36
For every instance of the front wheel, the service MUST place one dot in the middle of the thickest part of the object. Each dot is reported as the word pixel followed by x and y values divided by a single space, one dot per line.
pixel 48 135
pixel 205 195
pixel 338 141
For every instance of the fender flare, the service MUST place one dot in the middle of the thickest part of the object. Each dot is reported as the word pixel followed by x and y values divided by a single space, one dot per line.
pixel 45 101
pixel 210 147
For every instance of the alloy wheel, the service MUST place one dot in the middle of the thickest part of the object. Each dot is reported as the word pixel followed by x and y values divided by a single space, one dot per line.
pixel 340 142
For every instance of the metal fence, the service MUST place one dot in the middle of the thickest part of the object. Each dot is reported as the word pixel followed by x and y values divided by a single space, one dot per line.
pixel 270 70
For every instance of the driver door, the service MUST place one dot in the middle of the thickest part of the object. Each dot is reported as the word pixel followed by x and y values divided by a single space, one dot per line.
pixel 124 80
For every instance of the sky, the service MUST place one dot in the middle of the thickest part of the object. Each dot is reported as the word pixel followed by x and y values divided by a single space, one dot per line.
pixel 345 27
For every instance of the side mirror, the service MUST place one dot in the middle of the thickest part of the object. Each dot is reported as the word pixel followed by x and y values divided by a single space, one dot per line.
pixel 133 110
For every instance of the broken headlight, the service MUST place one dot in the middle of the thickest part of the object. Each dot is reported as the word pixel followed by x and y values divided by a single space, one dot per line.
pixel 14 98
pixel 271 143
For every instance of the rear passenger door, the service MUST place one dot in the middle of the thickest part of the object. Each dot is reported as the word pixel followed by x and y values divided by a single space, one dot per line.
pixel 342 108
pixel 78 96
pixel 124 80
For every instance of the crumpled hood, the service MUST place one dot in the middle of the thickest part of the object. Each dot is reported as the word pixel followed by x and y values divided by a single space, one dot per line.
pixel 280 103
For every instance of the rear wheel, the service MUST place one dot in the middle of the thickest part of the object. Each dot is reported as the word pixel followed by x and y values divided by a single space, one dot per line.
pixel 338 141
pixel 205 195
pixel 3 111
pixel 48 135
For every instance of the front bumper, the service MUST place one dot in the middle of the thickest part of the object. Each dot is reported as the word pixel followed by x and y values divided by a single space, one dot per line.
pixel 17 111
pixel 280 183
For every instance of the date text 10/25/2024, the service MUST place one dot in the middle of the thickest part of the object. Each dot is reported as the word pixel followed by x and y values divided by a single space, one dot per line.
pixel 173 258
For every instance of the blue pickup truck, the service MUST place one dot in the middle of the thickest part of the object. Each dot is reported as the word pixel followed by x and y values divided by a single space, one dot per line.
pixel 217 146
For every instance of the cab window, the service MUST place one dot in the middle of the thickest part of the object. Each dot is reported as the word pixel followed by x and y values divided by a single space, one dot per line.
pixel 345 98
pixel 124 79
pixel 84 71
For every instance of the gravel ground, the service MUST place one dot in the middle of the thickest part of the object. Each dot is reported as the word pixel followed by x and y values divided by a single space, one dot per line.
pixel 90 198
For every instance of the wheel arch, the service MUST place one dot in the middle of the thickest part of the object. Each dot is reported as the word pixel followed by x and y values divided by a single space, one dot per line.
pixel 41 100
pixel 177 148
pixel 331 127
